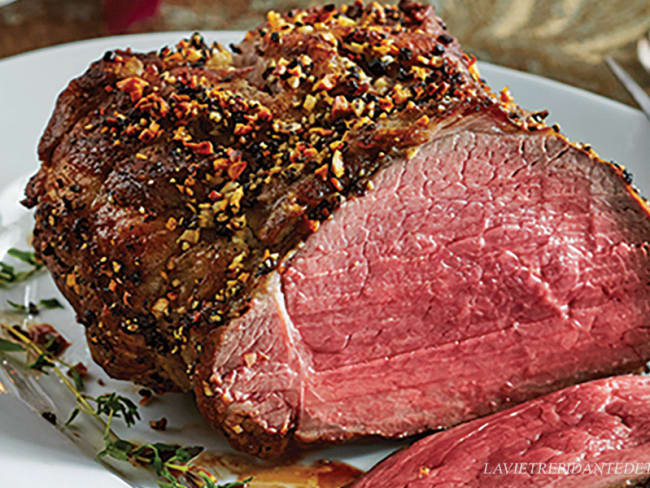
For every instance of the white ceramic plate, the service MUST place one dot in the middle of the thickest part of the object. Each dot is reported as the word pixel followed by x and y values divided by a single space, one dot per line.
pixel 32 453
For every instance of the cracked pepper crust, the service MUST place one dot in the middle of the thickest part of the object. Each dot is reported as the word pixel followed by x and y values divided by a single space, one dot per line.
pixel 172 183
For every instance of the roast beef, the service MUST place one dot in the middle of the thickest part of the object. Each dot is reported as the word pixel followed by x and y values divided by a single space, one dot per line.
pixel 339 231
pixel 587 436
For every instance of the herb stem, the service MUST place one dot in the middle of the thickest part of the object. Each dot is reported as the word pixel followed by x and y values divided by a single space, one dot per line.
pixel 81 401
pixel 107 427
pixel 161 458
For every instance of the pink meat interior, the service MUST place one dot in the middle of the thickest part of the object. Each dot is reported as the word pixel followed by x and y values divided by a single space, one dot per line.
pixel 487 270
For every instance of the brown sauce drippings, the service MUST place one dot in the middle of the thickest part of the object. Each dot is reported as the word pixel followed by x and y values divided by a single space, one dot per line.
pixel 318 474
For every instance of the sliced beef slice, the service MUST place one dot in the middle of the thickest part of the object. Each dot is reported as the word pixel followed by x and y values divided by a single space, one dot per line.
pixel 494 266
pixel 588 436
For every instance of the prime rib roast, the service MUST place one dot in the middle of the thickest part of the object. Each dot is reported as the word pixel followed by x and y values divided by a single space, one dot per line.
pixel 336 231
pixel 592 435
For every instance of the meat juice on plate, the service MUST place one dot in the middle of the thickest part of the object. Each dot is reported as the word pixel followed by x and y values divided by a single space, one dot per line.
pixel 317 474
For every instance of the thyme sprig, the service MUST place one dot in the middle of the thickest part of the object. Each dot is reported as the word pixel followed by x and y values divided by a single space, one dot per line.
pixel 48 361
pixel 168 461
pixel 8 273
pixel 35 308
pixel 42 363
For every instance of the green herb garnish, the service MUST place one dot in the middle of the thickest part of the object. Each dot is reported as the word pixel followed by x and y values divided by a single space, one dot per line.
pixel 116 406
pixel 8 273
pixel 49 304
pixel 73 372
pixel 35 308
pixel 24 256
pixel 42 363
pixel 10 346
pixel 162 458
pixel 168 461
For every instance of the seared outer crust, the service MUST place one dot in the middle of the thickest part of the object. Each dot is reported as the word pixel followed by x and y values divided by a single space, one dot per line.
pixel 244 432
pixel 172 183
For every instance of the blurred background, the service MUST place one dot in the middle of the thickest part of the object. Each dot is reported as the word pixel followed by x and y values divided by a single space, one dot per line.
pixel 561 39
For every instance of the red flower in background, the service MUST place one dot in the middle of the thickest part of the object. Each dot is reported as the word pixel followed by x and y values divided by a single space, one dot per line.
pixel 121 14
